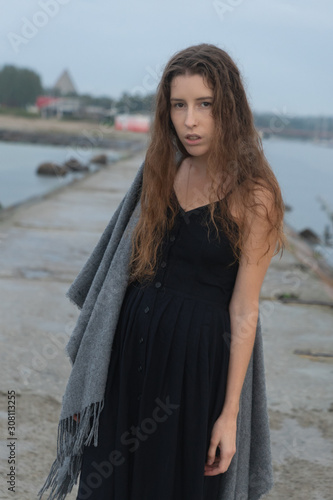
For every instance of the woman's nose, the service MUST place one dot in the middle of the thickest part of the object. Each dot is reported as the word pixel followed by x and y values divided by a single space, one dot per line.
pixel 190 118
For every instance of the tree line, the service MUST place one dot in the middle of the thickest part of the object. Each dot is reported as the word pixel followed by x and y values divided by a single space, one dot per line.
pixel 20 87
pixel 276 122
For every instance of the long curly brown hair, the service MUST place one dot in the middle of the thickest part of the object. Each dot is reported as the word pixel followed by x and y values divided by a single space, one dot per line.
pixel 236 157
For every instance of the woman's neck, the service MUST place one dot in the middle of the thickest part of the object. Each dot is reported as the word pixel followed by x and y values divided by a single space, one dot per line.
pixel 199 166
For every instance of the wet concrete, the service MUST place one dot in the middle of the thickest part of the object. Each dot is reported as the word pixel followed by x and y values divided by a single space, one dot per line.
pixel 44 245
pixel 299 387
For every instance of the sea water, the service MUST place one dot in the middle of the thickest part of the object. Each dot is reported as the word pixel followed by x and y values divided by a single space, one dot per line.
pixel 305 173
pixel 19 162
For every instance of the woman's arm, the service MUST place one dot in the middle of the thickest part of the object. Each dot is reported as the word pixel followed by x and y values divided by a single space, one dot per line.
pixel 243 308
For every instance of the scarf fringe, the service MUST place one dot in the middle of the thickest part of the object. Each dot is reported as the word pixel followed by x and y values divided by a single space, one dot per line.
pixel 72 437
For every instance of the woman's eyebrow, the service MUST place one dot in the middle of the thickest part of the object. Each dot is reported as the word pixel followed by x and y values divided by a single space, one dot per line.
pixel 198 99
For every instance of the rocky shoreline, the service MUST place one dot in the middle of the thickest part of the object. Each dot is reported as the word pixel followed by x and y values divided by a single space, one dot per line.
pixel 68 133
pixel 67 139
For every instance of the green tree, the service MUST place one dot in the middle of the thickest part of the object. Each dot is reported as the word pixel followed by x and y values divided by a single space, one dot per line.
pixel 19 86
pixel 103 101
pixel 136 103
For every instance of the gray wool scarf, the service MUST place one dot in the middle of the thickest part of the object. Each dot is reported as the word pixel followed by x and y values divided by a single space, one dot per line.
pixel 98 291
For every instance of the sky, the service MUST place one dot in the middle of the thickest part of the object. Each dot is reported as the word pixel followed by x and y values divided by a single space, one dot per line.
pixel 283 48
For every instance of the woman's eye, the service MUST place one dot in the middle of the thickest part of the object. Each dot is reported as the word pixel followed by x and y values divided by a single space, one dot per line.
pixel 178 105
pixel 206 104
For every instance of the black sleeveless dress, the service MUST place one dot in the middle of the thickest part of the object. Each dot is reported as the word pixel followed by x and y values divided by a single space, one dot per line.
pixel 167 374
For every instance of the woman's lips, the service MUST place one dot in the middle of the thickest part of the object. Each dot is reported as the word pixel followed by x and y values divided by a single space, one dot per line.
pixel 192 138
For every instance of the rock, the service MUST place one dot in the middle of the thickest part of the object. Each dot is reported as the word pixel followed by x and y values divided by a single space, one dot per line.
pixel 288 208
pixel 100 159
pixel 309 235
pixel 75 166
pixel 50 168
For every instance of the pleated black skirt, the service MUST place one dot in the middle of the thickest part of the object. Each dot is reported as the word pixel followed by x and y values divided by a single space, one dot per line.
pixel 167 377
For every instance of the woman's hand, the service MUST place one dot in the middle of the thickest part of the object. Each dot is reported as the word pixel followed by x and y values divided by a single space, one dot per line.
pixel 224 437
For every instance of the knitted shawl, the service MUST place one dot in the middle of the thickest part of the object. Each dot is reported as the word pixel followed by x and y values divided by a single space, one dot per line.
pixel 98 291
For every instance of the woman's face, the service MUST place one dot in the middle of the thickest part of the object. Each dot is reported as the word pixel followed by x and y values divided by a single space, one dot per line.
pixel 191 113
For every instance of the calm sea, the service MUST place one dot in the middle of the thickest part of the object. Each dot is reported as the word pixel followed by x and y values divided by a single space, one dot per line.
pixel 304 171
pixel 19 162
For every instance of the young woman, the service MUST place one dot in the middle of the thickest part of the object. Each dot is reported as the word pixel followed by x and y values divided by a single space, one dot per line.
pixel 211 218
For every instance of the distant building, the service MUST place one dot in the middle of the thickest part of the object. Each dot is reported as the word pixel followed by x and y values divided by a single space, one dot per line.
pixel 62 105
pixel 65 84
pixel 58 106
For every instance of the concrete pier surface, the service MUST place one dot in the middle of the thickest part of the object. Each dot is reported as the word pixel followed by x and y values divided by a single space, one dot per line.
pixel 45 243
